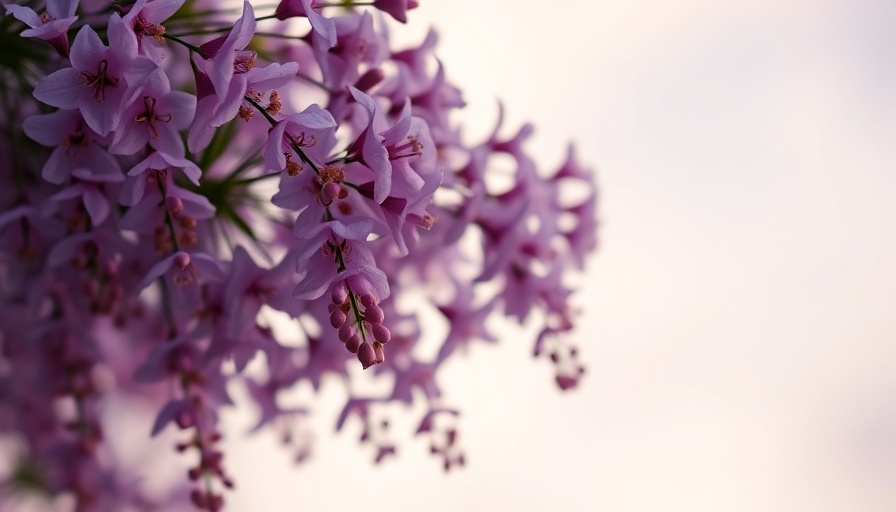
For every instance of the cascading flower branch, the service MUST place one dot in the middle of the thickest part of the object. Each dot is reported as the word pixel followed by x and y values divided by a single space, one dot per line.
pixel 179 174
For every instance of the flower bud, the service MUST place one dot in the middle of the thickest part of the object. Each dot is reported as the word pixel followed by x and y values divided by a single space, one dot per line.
pixel 369 300
pixel 184 419
pixel 337 318
pixel 353 343
pixel 366 355
pixel 373 314
pixel 346 331
pixel 174 204
pixel 381 333
pixel 329 192
pixel 340 293
pixel 182 260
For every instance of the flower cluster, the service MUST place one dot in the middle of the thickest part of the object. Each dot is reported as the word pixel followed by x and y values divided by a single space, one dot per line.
pixel 178 174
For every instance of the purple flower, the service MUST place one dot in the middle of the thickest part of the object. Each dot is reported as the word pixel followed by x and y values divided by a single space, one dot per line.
pixel 89 189
pixel 154 116
pixel 332 245
pixel 76 145
pixel 52 25
pixel 154 167
pixel 101 77
pixel 145 18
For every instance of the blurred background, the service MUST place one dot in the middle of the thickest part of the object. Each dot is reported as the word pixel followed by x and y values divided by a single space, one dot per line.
pixel 739 319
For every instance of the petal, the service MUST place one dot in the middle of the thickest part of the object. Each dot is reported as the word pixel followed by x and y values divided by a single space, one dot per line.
pixel 122 40
pixel 96 205
pixel 157 270
pixel 25 15
pixel 168 142
pixel 132 190
pixel 231 102
pixel 60 89
pixel 51 129
pixel 87 50
pixel 324 28
pixel 62 8
pixel 274 159
pixel 181 106
pixel 314 117
pixel 158 11
pixel 57 168
pixel 272 76
pixel 320 273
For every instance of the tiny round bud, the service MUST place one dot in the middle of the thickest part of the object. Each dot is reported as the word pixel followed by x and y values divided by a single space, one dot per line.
pixel 184 419
pixel 353 343
pixel 337 318
pixel 374 314
pixel 329 192
pixel 181 260
pixel 366 355
pixel 174 204
pixel 381 333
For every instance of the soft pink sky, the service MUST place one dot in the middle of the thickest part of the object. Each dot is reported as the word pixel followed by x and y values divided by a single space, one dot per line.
pixel 740 318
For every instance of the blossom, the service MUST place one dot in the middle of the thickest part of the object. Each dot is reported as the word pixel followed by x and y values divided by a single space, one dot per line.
pixel 100 78
pixel 76 145
pixel 52 25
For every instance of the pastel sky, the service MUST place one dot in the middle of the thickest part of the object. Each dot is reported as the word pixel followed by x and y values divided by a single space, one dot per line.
pixel 739 320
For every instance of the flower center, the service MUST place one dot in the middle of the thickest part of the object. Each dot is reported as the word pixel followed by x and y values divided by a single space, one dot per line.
pixel 150 117
pixel 411 148
pixel 144 28
pixel 99 81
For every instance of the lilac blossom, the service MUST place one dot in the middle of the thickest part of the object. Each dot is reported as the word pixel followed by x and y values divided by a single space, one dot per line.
pixel 201 180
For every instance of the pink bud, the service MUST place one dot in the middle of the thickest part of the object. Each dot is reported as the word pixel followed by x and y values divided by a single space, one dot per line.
pixel 373 314
pixel 353 343
pixel 369 300
pixel 182 260
pixel 337 318
pixel 366 355
pixel 346 331
pixel 566 382
pixel 340 293
pixel 329 192
pixel 381 333
pixel 184 419
pixel 174 204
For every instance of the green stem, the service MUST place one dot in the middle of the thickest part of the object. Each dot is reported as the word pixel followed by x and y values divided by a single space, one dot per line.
pixel 178 40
